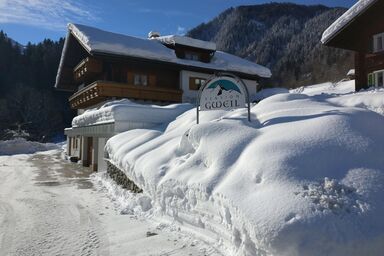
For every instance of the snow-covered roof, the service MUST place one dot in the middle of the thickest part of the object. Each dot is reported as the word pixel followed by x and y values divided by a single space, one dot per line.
pixel 98 41
pixel 356 10
pixel 128 111
pixel 187 41
pixel 351 72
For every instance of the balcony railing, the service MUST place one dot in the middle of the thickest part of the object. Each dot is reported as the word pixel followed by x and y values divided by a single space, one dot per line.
pixel 101 90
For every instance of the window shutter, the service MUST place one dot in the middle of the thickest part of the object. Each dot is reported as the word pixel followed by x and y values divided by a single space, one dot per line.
pixel 192 84
pixel 152 80
pixel 129 77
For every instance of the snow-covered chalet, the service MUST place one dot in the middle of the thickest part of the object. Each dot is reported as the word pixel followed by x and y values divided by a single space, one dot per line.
pixel 99 66
pixel 361 29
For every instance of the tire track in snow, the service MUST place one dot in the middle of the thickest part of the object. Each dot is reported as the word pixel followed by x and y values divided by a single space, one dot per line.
pixel 7 223
pixel 40 213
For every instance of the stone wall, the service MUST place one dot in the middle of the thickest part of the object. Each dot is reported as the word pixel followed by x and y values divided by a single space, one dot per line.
pixel 121 179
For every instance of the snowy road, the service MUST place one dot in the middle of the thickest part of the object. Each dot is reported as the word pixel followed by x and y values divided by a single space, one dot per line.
pixel 50 207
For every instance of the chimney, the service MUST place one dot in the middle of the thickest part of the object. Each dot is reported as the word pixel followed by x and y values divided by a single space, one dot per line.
pixel 153 34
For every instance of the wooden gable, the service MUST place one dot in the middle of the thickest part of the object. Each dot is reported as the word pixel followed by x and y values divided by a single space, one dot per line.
pixel 357 34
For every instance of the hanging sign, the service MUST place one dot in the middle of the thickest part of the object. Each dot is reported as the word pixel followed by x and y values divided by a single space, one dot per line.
pixel 224 91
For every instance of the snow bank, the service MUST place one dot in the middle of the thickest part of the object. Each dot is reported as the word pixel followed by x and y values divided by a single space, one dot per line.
pixel 343 87
pixel 372 99
pixel 124 200
pixel 343 94
pixel 268 92
pixel 126 110
pixel 306 177
pixel 22 146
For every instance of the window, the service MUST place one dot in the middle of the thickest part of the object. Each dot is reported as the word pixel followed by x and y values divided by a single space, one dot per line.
pixel 140 79
pixel 376 78
pixel 378 42
pixel 371 81
pixel 195 83
pixel 379 79
pixel 192 56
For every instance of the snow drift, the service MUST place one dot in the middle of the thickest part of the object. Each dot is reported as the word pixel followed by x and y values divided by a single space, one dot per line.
pixel 305 177
pixel 371 99
pixel 343 87
pixel 268 92
pixel 22 146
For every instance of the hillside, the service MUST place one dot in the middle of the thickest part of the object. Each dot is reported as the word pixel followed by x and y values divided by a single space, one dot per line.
pixel 29 105
pixel 284 37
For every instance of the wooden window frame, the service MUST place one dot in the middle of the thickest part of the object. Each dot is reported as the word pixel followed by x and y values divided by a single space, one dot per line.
pixel 376 77
pixel 373 78
pixel 189 55
pixel 140 81
pixel 375 42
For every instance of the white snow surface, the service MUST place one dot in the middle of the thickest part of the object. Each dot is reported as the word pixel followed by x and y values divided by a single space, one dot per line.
pixel 343 94
pixel 22 146
pixel 346 18
pixel 351 72
pixel 126 110
pixel 96 40
pixel 49 206
pixel 344 87
pixel 268 92
pixel 187 41
pixel 305 177
pixel 372 99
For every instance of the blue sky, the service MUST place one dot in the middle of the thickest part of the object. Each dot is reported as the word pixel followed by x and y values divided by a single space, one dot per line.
pixel 34 20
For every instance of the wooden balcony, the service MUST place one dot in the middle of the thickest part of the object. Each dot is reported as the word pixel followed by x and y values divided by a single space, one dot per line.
pixel 101 90
pixel 87 69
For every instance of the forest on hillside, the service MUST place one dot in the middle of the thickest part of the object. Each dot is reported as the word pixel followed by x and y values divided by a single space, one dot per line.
pixel 285 37
pixel 29 105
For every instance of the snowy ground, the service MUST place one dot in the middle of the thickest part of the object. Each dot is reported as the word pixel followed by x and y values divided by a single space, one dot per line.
pixel 329 88
pixel 51 207
pixel 305 177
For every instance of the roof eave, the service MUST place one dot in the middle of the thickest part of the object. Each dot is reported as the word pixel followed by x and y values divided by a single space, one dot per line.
pixel 327 40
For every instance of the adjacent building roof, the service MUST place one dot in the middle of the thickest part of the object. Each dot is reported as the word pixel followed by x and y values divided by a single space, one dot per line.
pixel 98 42
pixel 348 17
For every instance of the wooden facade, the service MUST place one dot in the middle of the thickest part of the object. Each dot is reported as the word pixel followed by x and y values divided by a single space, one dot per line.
pixel 358 35
pixel 100 79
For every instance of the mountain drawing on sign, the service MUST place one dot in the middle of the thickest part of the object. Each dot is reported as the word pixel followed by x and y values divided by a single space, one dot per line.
pixel 224 85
